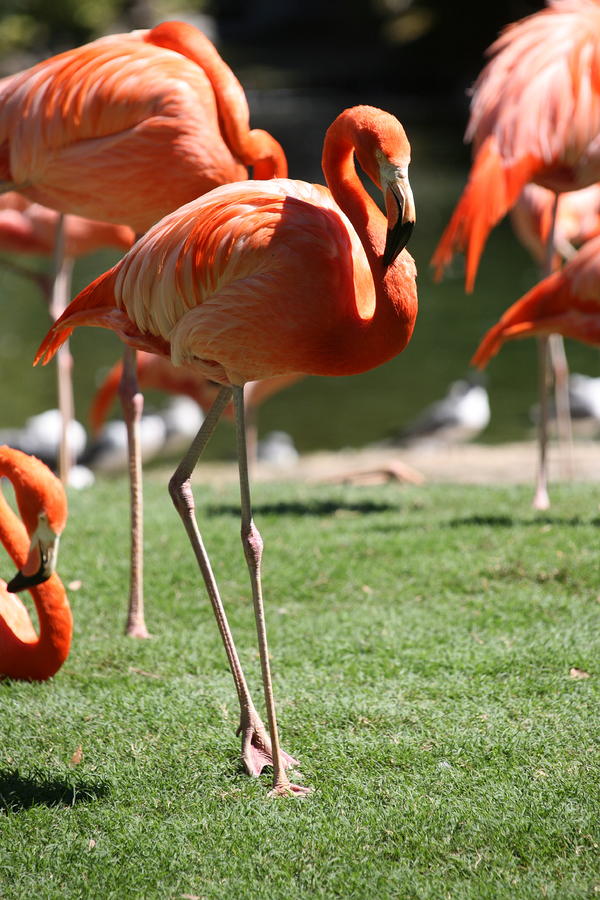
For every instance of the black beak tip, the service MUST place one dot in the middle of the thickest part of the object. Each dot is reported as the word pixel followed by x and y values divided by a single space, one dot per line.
pixel 17 583
pixel 397 239
pixel 22 582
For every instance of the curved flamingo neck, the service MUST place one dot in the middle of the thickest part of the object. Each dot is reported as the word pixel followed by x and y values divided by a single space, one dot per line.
pixel 254 147
pixel 390 327
pixel 23 658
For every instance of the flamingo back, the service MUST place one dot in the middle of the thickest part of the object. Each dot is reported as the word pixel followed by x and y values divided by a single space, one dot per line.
pixel 93 110
pixel 540 92
pixel 250 281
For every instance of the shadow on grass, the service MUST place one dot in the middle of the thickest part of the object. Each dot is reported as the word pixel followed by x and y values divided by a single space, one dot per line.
pixel 316 508
pixel 511 522
pixel 19 792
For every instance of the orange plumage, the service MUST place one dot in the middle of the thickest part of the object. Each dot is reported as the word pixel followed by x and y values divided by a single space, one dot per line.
pixel 43 507
pixel 148 121
pixel 535 116
pixel 260 279
pixel 567 303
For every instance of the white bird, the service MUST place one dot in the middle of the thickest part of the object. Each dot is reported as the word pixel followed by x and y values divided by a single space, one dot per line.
pixel 584 404
pixel 277 449
pixel 182 417
pixel 109 452
pixel 41 436
pixel 461 415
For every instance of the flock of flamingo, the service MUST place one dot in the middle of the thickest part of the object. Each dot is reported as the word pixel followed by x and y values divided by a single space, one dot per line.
pixel 142 141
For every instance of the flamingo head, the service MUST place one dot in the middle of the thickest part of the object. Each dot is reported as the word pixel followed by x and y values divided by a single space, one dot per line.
pixel 383 151
pixel 43 506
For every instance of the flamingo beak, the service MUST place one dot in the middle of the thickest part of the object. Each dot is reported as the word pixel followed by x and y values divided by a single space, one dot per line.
pixel 400 208
pixel 41 560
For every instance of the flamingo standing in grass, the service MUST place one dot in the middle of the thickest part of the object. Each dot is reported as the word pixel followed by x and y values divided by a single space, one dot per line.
pixel 33 545
pixel 577 220
pixel 262 279
pixel 156 372
pixel 29 228
pixel 126 129
pixel 535 116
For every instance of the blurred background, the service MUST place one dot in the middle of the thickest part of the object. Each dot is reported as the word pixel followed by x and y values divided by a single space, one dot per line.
pixel 301 62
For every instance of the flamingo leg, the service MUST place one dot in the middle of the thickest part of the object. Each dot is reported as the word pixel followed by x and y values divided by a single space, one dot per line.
pixel 61 289
pixel 256 743
pixel 253 547
pixel 560 369
pixel 132 402
pixel 541 500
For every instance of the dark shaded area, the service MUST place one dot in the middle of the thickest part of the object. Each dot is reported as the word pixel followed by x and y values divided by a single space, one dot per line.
pixel 511 521
pixel 424 48
pixel 421 47
pixel 316 508
pixel 20 792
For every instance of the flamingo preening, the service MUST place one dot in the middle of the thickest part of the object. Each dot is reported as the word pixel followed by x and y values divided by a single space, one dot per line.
pixel 147 120
pixel 33 544
pixel 32 229
pixel 535 116
pixel 263 279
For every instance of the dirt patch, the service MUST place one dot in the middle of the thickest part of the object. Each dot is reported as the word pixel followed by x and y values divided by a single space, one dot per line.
pixel 466 464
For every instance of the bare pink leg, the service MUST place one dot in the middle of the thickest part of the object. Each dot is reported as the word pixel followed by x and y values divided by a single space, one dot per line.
pixel 132 402
pixel 541 500
pixel 560 369
pixel 256 743
pixel 251 416
pixel 61 288
pixel 253 547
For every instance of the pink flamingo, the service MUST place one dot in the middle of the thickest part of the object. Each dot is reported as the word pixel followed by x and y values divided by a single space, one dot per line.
pixel 260 279
pixel 535 116
pixel 576 220
pixel 126 129
pixel 32 542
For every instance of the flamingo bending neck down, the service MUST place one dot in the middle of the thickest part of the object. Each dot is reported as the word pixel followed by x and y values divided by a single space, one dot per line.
pixel 149 120
pixel 260 279
pixel 33 544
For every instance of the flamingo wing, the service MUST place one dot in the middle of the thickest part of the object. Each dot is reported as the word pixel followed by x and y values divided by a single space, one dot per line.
pixel 103 104
pixel 261 276
pixel 567 302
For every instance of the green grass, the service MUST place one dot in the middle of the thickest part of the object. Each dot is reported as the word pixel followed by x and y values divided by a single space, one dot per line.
pixel 422 641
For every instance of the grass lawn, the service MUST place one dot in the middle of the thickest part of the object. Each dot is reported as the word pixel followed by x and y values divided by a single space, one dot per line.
pixel 436 660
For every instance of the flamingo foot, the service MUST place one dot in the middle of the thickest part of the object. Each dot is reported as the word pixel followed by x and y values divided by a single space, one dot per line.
pixel 137 630
pixel 287 789
pixel 256 745
pixel 541 500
